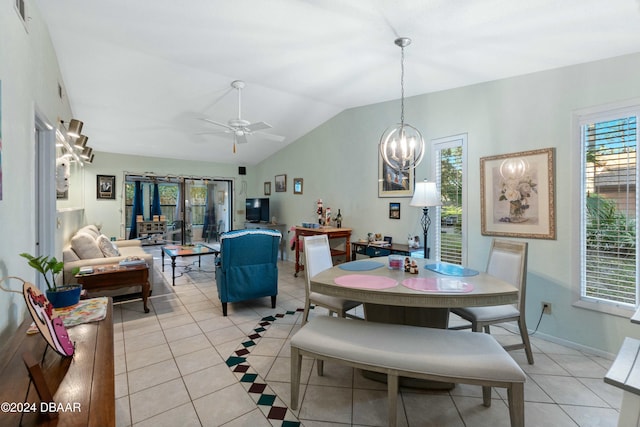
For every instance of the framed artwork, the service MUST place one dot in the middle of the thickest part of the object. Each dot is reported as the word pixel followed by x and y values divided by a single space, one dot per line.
pixel 281 183
pixel 517 194
pixel 105 186
pixel 297 185
pixel 394 210
pixel 392 183
pixel 267 188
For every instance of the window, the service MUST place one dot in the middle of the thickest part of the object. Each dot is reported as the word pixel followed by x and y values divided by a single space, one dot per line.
pixel 608 204
pixel 449 156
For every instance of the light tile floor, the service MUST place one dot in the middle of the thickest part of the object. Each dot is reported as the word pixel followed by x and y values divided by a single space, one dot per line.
pixel 174 367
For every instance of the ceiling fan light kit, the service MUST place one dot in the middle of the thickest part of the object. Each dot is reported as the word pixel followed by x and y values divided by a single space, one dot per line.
pixel 402 145
pixel 241 128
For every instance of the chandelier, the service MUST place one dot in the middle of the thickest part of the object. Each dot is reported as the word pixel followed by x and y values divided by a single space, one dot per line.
pixel 401 145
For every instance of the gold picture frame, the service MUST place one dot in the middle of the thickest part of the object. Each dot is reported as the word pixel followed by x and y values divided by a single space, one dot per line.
pixel 281 183
pixel 267 188
pixel 297 185
pixel 517 194
pixel 392 183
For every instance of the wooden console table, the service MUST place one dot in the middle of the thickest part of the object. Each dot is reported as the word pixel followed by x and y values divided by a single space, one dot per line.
pixel 332 233
pixel 85 381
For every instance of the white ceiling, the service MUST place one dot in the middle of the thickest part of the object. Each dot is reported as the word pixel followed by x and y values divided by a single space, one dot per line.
pixel 140 74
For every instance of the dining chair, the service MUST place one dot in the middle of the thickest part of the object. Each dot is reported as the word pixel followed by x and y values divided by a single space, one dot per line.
pixel 317 258
pixel 507 261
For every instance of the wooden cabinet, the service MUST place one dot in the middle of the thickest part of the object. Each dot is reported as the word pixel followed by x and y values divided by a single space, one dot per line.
pixel 332 234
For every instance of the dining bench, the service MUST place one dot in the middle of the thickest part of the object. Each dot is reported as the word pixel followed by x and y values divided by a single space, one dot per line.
pixel 410 351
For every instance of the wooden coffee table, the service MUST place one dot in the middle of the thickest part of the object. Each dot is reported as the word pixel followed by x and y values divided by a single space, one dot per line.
pixel 114 276
pixel 174 251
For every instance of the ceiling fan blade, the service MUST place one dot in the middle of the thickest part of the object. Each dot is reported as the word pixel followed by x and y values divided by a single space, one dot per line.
pixel 241 139
pixel 214 132
pixel 217 123
pixel 258 126
pixel 270 136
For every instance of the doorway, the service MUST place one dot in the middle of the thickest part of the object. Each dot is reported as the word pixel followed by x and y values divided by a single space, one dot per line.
pixel 45 193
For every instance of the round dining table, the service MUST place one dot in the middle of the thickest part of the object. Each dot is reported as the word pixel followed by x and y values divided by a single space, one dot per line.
pixel 423 299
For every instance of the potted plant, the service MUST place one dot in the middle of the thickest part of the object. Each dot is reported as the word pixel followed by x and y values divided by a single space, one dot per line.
pixel 50 267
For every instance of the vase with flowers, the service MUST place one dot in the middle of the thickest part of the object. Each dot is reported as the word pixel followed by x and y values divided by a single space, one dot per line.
pixel 50 267
pixel 517 191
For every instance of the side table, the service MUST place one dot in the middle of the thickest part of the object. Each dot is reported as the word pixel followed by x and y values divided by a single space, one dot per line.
pixel 332 233
pixel 113 276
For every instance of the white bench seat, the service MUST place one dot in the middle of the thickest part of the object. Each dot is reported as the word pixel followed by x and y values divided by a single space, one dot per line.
pixel 410 351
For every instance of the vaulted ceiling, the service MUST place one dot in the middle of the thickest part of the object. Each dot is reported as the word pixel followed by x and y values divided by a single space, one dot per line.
pixel 143 74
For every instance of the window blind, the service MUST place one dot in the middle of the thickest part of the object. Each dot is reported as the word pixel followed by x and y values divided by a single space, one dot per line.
pixel 609 249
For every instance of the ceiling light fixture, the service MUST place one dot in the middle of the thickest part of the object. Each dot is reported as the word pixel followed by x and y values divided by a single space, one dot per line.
pixel 401 145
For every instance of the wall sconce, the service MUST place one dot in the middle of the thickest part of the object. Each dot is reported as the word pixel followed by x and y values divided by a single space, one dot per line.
pixel 73 143
pixel 81 142
pixel 75 128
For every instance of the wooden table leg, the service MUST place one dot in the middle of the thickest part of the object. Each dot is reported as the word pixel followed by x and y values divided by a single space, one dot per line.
pixel 146 287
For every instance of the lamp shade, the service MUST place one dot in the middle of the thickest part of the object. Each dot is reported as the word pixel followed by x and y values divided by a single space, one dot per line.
pixel 75 128
pixel 81 142
pixel 86 153
pixel 426 195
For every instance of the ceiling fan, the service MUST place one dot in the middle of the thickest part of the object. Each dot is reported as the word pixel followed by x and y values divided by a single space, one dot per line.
pixel 241 128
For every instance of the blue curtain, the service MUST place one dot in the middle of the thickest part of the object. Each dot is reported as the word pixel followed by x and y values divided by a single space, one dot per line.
pixel 136 210
pixel 155 203
pixel 210 214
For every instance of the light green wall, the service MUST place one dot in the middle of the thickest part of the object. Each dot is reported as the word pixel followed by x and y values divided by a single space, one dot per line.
pixel 29 76
pixel 338 162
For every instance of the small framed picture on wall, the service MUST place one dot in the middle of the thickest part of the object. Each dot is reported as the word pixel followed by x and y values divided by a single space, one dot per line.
pixel 106 185
pixel 394 210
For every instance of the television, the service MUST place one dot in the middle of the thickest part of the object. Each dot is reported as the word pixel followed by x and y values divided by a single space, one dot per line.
pixel 257 209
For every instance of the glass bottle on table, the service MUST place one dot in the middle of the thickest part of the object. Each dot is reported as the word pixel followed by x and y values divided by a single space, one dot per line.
pixel 339 219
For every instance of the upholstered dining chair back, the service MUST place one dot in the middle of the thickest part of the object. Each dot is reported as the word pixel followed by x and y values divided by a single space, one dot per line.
pixel 317 258
pixel 508 261
pixel 317 254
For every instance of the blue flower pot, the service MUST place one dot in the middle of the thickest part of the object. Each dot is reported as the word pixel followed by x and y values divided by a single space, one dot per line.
pixel 64 296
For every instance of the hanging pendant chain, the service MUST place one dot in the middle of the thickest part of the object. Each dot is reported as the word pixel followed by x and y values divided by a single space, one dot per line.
pixel 402 88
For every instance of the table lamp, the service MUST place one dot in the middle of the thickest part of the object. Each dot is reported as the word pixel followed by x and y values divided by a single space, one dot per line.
pixel 425 196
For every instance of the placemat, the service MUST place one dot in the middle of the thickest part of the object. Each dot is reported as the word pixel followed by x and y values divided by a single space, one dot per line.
pixel 365 281
pixel 360 265
pixel 433 284
pixel 451 269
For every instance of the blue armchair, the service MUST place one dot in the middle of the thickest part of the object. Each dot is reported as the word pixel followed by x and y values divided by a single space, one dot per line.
pixel 248 266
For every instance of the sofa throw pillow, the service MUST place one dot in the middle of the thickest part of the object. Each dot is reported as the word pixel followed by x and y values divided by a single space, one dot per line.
pixel 91 230
pixel 107 248
pixel 85 246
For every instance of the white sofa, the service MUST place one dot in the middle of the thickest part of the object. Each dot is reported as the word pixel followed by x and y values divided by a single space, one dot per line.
pixel 88 247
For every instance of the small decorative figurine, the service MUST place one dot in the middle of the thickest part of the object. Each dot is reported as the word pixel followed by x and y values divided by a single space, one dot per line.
pixel 410 266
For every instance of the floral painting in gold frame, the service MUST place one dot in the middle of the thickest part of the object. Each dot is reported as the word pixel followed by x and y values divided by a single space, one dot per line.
pixel 517 194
